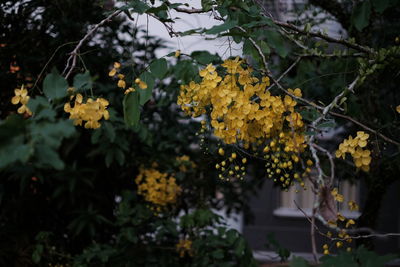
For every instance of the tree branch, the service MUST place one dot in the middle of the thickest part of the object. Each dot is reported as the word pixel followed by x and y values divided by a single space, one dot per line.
pixel 71 62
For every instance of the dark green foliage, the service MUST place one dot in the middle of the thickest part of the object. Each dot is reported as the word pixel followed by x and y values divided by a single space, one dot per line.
pixel 60 182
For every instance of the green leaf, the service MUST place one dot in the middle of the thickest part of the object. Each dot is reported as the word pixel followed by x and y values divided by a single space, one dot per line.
pixel 157 9
pixel 309 114
pixel 218 254
pixel 189 32
pixel 381 5
pixel 159 68
pixel 11 127
pixel 275 40
pixel 131 109
pixel 251 50
pixel 37 103
pixel 298 262
pixel 204 57
pixel 83 81
pixel 145 94
pixel 47 156
pixel 327 124
pixel 342 260
pixel 37 253
pixel 52 133
pixel 240 247
pixel 361 15
pixel 55 86
pixel 109 158
pixel 371 259
pixel 206 5
pixel 229 24
pixel 259 23
pixel 14 151
pixel 110 131
pixel 139 6
pixel 264 48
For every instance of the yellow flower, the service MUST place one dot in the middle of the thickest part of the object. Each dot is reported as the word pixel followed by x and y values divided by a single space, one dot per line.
pixel 121 83
pixel 340 217
pixel 338 197
pixel 20 94
pixel 21 97
pixel 112 72
pixel 177 53
pixel 243 112
pixel 361 157
pixel 184 246
pixel 352 206
pixel 349 223
pixel 129 90
pixel 156 187
pixel 141 84
pixel 398 109
pixel 117 65
pixel 90 112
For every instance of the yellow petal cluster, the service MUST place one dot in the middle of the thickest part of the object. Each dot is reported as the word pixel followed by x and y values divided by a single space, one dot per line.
pixel 121 83
pixel 156 187
pixel 21 97
pixel 241 108
pixel 352 205
pixel 184 246
pixel 354 146
pixel 242 111
pixel 338 197
pixel 89 113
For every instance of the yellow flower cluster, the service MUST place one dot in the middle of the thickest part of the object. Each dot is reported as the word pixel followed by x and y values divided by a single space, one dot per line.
pixel 338 197
pixel 90 112
pixel 184 246
pixel 243 112
pixel 156 187
pixel 241 108
pixel 121 79
pixel 21 97
pixel 354 146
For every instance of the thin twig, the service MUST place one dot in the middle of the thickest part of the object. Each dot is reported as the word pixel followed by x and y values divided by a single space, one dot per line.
pixel 285 72
pixel 292 27
pixel 365 127
pixel 331 161
pixel 71 62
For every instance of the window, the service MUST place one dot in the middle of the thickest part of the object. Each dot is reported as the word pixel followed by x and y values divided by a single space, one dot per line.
pixel 305 198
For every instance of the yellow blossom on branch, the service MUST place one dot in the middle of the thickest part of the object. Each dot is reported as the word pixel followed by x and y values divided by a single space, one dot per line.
pixel 21 97
pixel 89 113
pixel 141 84
pixel 183 247
pixel 156 187
pixel 354 146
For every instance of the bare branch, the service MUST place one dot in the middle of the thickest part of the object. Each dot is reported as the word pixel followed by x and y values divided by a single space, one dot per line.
pixel 71 62
pixel 190 10
pixel 331 161
pixel 365 127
